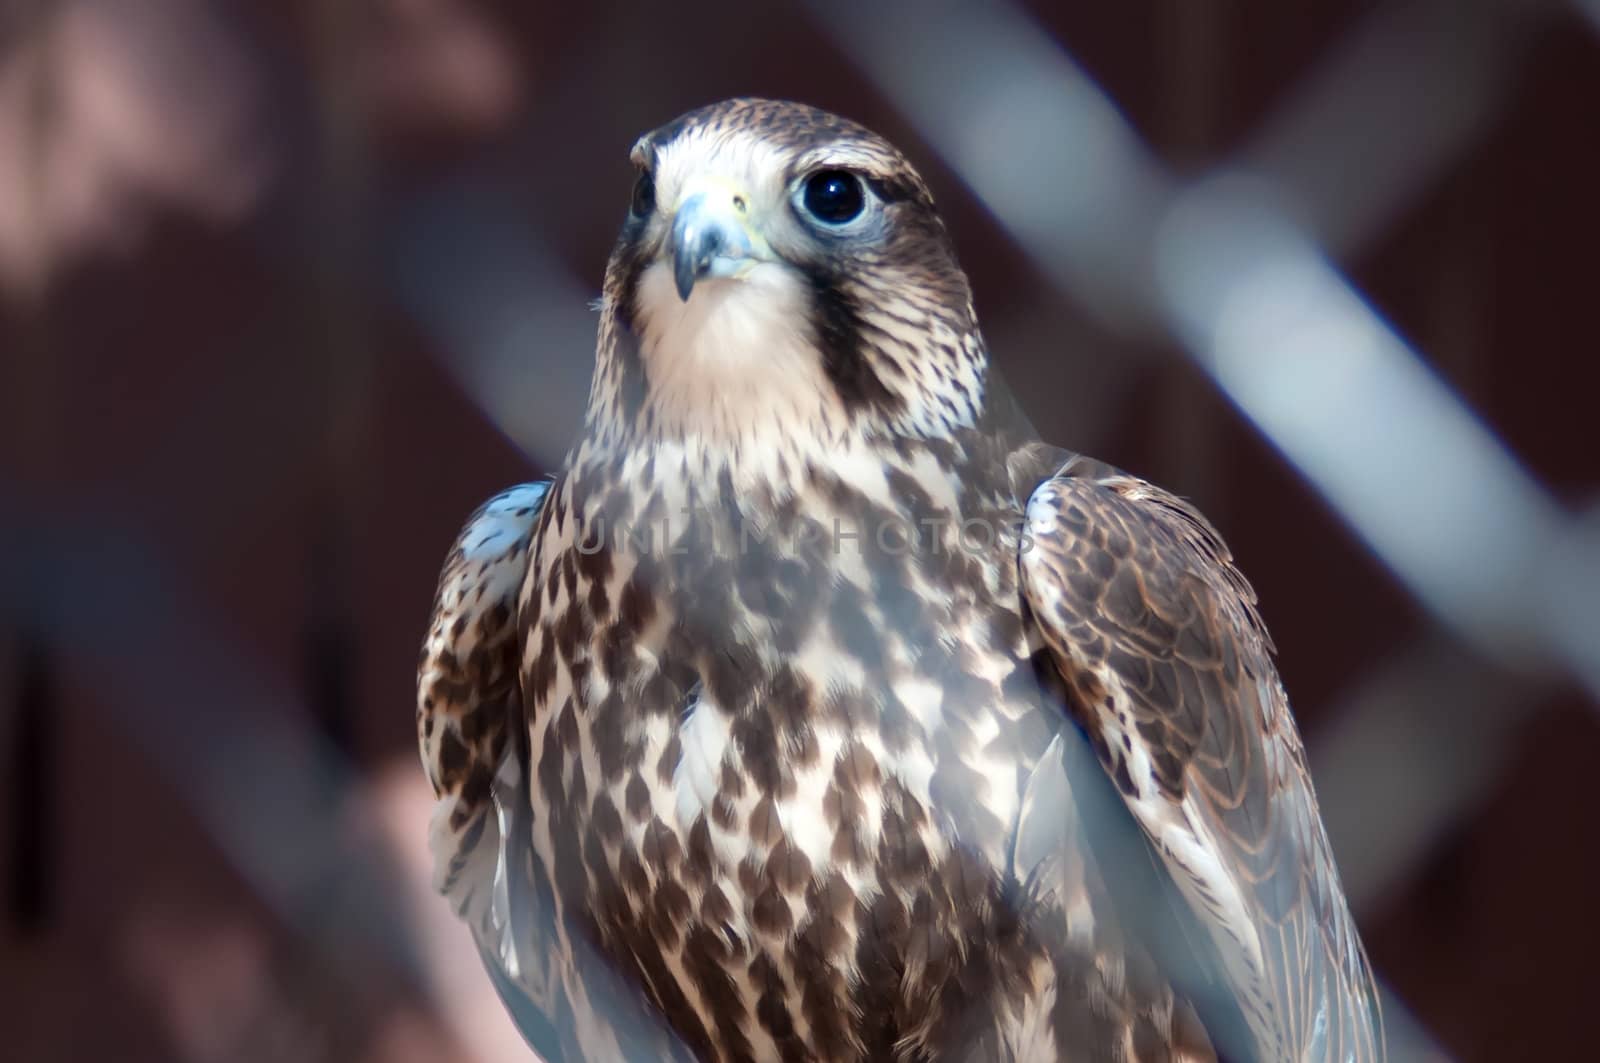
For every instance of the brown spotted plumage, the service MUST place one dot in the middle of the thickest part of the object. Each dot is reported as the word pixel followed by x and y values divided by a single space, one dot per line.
pixel 814 712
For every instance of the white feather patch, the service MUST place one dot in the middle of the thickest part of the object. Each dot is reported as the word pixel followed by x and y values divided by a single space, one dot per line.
pixel 704 739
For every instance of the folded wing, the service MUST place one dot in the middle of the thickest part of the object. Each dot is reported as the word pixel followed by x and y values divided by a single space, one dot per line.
pixel 565 998
pixel 1157 636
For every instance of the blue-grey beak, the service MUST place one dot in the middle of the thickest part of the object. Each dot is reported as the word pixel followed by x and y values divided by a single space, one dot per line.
pixel 710 237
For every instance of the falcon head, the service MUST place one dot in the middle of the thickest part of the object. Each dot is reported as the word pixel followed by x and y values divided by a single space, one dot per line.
pixel 783 271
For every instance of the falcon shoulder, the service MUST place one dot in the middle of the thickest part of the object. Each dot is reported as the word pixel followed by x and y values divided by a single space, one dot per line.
pixel 1156 633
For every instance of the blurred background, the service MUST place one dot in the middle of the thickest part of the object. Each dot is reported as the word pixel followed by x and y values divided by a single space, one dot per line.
pixel 288 286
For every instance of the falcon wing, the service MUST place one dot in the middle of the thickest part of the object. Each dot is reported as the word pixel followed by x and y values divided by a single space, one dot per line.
pixel 467 693
pixel 468 697
pixel 1157 636
pixel 565 998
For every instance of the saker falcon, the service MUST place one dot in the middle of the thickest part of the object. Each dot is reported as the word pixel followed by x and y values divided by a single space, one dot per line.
pixel 815 711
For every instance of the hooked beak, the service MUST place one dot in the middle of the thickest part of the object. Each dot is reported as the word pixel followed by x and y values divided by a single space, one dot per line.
pixel 712 237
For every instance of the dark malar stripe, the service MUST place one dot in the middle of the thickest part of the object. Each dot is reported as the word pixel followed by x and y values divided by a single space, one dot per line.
pixel 840 331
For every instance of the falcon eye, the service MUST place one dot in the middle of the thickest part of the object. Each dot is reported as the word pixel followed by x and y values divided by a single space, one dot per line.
pixel 644 195
pixel 834 197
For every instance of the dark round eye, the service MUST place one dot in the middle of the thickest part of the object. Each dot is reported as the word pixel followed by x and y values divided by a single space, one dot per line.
pixel 834 196
pixel 644 195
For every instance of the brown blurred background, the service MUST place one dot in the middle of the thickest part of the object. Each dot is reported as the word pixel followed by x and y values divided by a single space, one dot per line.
pixel 286 288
